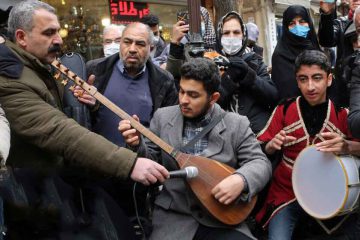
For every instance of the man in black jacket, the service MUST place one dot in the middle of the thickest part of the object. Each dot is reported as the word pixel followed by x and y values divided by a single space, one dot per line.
pixel 136 85
pixel 131 81
pixel 354 115
pixel 159 43
pixel 338 32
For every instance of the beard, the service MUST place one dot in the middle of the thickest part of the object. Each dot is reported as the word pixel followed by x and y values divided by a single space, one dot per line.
pixel 201 114
pixel 134 67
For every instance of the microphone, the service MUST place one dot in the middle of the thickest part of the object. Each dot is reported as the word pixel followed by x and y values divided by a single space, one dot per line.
pixel 188 172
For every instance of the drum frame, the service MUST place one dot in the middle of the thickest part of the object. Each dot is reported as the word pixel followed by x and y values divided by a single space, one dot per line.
pixel 352 187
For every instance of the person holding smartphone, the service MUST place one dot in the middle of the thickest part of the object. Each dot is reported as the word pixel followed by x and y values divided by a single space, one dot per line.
pixel 337 32
pixel 180 37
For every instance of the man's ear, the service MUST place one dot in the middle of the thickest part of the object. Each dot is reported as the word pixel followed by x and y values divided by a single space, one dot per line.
pixel 330 78
pixel 20 38
pixel 214 98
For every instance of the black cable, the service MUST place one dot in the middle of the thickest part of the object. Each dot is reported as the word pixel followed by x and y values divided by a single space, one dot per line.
pixel 137 212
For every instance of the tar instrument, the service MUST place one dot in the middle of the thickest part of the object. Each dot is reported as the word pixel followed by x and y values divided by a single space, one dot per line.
pixel 326 185
pixel 210 174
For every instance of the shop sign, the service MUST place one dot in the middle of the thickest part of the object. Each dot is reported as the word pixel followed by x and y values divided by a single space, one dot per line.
pixel 127 11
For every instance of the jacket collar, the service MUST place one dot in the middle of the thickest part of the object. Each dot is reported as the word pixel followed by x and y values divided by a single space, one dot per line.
pixel 42 70
pixel 27 58
pixel 216 141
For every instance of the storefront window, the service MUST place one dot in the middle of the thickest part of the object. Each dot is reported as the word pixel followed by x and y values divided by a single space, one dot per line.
pixel 82 22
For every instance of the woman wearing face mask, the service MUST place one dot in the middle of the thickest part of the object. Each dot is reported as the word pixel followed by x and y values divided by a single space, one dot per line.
pixel 246 87
pixel 298 34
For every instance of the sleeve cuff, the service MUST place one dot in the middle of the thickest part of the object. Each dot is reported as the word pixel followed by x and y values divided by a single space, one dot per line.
pixel 132 168
pixel 244 196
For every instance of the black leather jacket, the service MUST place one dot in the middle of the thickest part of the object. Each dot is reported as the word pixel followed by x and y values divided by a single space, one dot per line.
pixel 162 86
pixel 354 115
pixel 255 101
pixel 333 33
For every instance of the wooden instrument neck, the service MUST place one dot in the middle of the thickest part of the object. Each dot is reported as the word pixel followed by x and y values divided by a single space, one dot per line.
pixel 114 108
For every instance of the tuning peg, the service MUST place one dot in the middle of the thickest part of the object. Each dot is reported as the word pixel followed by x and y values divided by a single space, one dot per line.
pixel 72 88
pixel 64 82
pixel 57 75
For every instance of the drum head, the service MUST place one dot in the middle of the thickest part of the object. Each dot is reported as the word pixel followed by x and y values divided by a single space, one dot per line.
pixel 319 183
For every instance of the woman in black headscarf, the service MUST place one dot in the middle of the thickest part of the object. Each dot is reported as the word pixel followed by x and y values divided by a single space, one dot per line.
pixel 298 34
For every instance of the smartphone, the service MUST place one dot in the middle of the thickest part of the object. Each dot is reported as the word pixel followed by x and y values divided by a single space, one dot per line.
pixel 183 16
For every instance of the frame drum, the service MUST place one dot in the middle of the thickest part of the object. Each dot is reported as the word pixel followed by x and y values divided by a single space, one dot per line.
pixel 325 185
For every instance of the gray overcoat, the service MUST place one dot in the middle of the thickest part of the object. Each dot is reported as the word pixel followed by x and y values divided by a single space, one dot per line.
pixel 177 213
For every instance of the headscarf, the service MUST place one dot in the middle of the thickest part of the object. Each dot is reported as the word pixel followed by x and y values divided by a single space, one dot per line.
pixel 288 48
pixel 296 43
pixel 243 29
pixel 209 35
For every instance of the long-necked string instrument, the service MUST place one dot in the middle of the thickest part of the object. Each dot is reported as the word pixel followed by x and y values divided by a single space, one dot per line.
pixel 210 174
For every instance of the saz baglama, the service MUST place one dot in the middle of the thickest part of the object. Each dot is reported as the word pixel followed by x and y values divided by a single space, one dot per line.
pixel 210 174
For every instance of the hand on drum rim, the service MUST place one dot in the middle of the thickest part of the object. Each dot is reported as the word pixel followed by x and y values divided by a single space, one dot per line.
pixel 332 142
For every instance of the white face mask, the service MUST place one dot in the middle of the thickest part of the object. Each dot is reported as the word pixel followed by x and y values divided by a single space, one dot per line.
pixel 152 53
pixel 231 45
pixel 202 29
pixel 156 39
pixel 111 49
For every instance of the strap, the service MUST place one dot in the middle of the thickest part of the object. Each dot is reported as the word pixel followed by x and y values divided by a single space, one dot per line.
pixel 331 230
pixel 205 130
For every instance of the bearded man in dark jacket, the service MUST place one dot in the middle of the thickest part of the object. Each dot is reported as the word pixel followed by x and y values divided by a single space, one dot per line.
pixel 134 83
pixel 45 141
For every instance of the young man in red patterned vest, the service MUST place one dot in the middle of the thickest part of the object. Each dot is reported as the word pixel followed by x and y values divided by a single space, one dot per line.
pixel 309 119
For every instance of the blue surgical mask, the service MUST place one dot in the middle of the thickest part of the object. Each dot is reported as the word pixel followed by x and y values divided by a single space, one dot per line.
pixel 301 31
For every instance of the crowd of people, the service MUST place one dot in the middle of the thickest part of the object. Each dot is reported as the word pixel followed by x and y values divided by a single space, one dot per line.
pixel 104 180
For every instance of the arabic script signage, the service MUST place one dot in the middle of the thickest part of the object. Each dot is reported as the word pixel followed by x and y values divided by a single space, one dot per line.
pixel 127 11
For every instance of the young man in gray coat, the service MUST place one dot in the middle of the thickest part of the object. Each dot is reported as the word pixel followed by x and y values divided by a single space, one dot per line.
pixel 177 214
